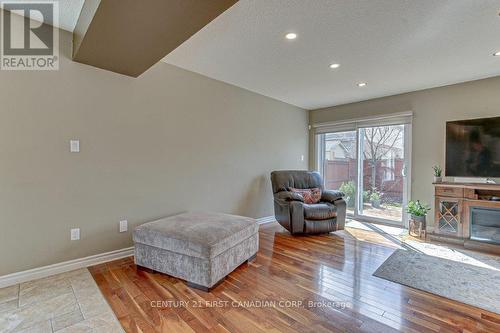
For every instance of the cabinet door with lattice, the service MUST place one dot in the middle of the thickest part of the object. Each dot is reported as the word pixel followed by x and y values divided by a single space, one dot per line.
pixel 448 216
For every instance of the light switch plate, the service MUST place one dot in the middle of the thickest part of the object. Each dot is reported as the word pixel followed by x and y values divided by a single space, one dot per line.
pixel 123 225
pixel 74 146
pixel 75 234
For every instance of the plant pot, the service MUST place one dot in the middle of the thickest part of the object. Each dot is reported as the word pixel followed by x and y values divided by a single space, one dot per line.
pixel 418 218
pixel 375 203
pixel 438 179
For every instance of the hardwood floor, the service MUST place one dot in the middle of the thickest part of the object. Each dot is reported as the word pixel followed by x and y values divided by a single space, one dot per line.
pixel 334 271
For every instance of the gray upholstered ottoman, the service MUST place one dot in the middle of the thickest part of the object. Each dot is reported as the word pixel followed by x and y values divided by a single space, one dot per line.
pixel 201 248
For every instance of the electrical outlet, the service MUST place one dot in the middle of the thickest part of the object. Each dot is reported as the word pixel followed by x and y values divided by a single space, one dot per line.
pixel 123 226
pixel 75 234
pixel 74 146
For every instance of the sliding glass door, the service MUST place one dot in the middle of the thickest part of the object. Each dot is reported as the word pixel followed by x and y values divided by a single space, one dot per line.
pixel 339 165
pixel 370 165
pixel 382 172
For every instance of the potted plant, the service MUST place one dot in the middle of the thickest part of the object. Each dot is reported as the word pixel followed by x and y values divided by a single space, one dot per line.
pixel 417 210
pixel 437 174
pixel 366 196
pixel 375 199
pixel 349 189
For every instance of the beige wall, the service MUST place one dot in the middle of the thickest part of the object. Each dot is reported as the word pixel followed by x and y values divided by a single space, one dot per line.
pixel 167 142
pixel 431 108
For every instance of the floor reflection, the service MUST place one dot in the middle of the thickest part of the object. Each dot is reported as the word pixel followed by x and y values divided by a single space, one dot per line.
pixel 335 267
pixel 399 237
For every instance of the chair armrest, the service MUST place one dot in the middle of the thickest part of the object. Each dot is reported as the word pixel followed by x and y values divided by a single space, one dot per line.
pixel 289 196
pixel 341 213
pixel 331 195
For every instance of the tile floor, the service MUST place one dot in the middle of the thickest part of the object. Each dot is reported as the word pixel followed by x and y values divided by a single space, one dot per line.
pixel 68 302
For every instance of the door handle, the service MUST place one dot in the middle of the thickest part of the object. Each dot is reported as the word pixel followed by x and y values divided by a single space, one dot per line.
pixel 403 171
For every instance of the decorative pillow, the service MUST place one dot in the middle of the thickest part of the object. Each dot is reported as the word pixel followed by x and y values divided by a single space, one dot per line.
pixel 310 195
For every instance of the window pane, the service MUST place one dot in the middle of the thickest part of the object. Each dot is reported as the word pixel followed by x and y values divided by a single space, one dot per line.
pixel 383 160
pixel 340 165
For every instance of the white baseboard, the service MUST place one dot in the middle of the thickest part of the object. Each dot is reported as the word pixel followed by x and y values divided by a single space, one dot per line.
pixel 62 267
pixel 267 219
pixel 67 266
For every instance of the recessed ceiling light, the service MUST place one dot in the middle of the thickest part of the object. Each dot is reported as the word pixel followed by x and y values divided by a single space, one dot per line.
pixel 496 54
pixel 291 35
pixel 333 66
pixel 362 84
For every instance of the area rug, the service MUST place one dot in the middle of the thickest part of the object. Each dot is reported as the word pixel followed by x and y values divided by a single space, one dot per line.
pixel 464 276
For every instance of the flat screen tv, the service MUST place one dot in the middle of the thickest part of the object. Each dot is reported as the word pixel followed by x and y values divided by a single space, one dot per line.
pixel 473 148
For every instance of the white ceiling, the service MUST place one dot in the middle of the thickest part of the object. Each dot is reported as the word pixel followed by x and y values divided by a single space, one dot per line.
pixel 69 11
pixel 395 46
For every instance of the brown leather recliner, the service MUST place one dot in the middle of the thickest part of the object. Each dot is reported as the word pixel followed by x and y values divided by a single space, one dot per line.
pixel 301 218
